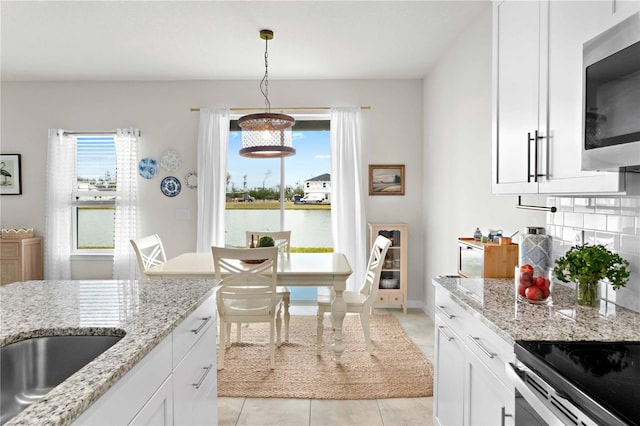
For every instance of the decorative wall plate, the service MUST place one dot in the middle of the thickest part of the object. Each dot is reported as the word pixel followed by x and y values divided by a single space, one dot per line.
pixel 148 168
pixel 170 186
pixel 171 160
pixel 191 180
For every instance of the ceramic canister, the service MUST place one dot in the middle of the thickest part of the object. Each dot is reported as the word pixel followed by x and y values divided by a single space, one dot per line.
pixel 535 249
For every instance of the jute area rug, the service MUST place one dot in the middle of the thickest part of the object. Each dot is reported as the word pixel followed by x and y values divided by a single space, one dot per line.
pixel 397 368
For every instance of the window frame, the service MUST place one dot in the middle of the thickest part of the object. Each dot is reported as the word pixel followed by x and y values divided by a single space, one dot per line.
pixel 76 204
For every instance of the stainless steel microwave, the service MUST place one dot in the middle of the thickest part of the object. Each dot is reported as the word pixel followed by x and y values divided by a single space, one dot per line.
pixel 611 99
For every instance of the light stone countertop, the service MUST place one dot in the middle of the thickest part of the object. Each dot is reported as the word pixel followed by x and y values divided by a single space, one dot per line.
pixel 144 311
pixel 563 319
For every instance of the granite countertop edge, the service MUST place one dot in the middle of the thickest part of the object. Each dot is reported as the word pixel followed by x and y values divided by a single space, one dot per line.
pixel 148 311
pixel 561 320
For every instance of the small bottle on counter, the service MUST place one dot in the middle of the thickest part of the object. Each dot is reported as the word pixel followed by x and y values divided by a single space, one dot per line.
pixel 477 235
pixel 253 242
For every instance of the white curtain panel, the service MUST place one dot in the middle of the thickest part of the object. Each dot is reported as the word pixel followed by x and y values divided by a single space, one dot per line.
pixel 125 265
pixel 61 163
pixel 348 219
pixel 213 145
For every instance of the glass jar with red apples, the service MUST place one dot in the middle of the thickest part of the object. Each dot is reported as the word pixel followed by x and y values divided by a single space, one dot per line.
pixel 533 285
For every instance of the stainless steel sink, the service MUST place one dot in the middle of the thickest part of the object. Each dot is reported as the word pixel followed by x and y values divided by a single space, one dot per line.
pixel 31 368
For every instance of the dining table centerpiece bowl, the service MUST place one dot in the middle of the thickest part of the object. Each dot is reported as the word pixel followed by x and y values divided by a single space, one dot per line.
pixel 264 241
pixel 587 265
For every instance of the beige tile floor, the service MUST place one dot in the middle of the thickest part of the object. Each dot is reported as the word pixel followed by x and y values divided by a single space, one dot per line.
pixel 315 412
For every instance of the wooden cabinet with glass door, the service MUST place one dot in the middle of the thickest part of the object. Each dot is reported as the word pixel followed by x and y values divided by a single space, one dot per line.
pixel 392 289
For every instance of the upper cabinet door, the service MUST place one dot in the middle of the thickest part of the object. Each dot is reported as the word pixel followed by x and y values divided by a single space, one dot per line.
pixel 537 96
pixel 565 73
pixel 516 82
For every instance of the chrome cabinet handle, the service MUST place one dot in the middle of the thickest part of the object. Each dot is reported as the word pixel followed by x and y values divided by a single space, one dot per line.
pixel 204 322
pixel 504 415
pixel 476 340
pixel 446 336
pixel 441 309
pixel 206 372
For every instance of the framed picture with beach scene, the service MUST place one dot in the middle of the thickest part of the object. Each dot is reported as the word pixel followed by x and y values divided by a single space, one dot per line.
pixel 386 179
pixel 10 179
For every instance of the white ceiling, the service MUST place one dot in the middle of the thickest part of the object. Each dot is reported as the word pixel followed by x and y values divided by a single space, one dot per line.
pixel 206 40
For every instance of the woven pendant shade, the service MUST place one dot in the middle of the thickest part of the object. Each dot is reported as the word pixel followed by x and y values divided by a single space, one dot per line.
pixel 266 135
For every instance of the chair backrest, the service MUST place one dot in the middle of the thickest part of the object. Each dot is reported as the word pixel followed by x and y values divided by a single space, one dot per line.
pixel 374 268
pixel 282 238
pixel 248 275
pixel 149 251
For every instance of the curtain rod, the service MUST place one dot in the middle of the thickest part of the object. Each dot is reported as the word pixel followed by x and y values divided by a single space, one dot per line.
pixel 280 109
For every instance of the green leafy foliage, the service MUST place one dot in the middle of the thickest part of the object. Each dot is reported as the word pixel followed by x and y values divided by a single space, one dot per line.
pixel 266 242
pixel 591 263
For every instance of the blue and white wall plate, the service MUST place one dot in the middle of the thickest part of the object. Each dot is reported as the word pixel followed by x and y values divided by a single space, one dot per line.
pixel 170 186
pixel 191 180
pixel 148 168
pixel 171 160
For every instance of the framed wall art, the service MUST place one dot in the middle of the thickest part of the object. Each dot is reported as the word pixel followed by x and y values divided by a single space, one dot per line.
pixel 386 179
pixel 11 174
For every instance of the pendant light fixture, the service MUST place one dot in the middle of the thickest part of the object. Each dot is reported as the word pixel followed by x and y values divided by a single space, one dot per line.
pixel 266 135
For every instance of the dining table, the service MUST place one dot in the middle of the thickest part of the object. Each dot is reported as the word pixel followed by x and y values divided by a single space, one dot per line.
pixel 294 269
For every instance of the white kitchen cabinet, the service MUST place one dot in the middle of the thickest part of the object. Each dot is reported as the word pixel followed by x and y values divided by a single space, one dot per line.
pixel 448 385
pixel 158 411
pixel 565 86
pixel 489 401
pixel 170 385
pixel 470 383
pixel 537 105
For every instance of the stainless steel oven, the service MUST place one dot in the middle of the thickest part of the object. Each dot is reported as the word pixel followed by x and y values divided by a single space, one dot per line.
pixel 576 383
pixel 611 102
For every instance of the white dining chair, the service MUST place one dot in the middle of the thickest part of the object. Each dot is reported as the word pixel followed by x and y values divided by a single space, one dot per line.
pixel 360 302
pixel 149 251
pixel 247 293
pixel 283 242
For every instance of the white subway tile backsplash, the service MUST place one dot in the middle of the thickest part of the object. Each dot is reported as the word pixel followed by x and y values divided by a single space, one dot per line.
pixel 595 221
pixel 607 205
pixel 609 240
pixel 564 204
pixel 574 220
pixel 621 224
pixel 630 206
pixel 630 243
pixel 583 205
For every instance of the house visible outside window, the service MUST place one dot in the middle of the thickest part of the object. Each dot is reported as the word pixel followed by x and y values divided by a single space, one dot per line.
pixel 94 198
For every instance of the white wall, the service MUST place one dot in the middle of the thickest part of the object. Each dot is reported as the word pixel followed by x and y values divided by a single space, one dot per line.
pixel 457 155
pixel 392 133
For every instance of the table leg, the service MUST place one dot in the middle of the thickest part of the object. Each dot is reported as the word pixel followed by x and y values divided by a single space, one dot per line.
pixel 338 312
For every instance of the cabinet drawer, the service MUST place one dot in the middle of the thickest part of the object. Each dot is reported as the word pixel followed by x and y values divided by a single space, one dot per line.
pixel 190 330
pixel 479 338
pixel 9 250
pixel 195 383
pixel 386 297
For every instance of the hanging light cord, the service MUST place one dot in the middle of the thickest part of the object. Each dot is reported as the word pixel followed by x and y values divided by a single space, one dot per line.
pixel 265 79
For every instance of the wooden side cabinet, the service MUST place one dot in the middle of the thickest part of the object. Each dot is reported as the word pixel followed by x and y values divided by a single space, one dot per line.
pixel 21 260
pixel 393 279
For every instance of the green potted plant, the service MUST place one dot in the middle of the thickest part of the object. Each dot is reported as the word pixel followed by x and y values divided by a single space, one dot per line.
pixel 586 265
pixel 266 241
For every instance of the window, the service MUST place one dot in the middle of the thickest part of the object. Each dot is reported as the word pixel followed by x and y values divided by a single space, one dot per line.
pixel 94 197
pixel 260 178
